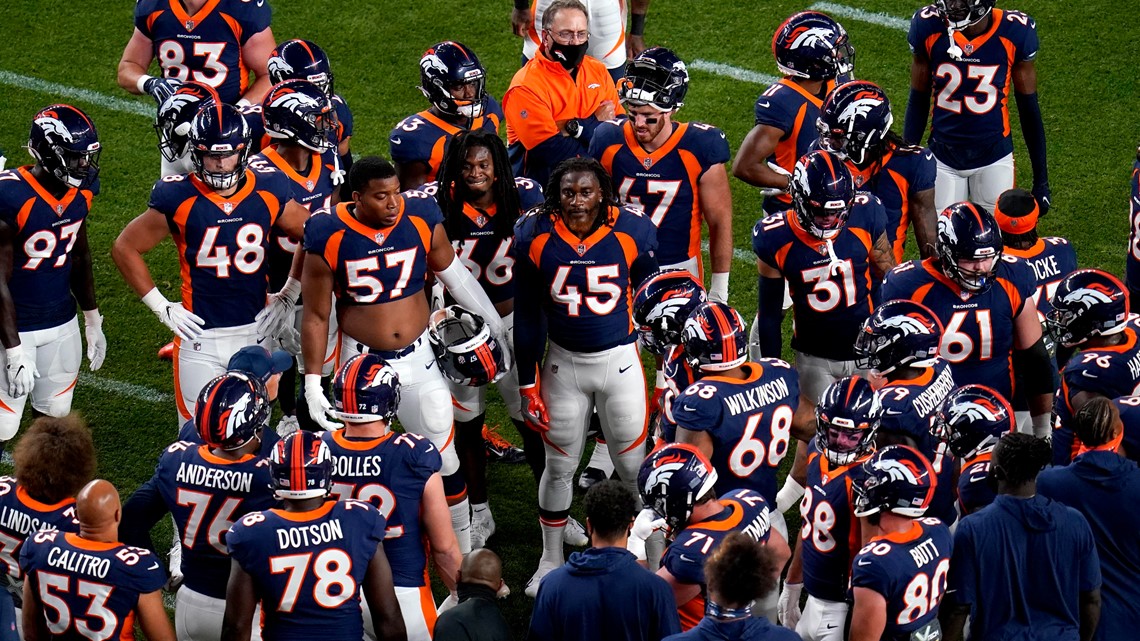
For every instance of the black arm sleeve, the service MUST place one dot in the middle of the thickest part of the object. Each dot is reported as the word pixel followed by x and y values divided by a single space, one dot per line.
pixel 770 315
pixel 530 322
pixel 142 512
pixel 1035 368
pixel 643 267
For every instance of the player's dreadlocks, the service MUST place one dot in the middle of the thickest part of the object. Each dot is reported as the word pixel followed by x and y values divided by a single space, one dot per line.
pixel 1018 458
pixel 452 187
pixel 553 196
pixel 740 571
pixel 1095 424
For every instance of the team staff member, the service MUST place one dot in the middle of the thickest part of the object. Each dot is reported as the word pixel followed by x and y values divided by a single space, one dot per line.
pixel 609 44
pixel 557 99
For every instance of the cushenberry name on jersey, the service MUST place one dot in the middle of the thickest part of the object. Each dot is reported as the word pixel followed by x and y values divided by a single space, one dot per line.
pixel 757 397
pixel 78 562
pixel 213 477
pixel 307 535
pixel 931 398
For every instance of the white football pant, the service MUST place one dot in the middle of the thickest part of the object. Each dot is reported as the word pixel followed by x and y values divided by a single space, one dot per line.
pixel 199 361
pixel 822 620
pixel 58 352
pixel 982 185
pixel 417 607
pixel 816 374
pixel 198 617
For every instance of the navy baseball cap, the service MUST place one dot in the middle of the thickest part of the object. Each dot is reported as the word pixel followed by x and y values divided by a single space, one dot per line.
pixel 260 362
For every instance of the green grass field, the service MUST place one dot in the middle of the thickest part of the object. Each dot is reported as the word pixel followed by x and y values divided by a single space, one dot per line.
pixel 1087 83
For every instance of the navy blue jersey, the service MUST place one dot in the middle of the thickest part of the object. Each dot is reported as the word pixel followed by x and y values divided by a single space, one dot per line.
pixel 789 107
pixel 1022 564
pixel 830 533
pixel 744 511
pixel 1132 263
pixel 978 327
pixel 970 125
pixel 422 137
pixel 375 265
pixel 830 300
pixel 665 183
pixel 974 489
pixel 44 229
pixel 89 588
pixel 343 119
pixel 223 242
pixel 268 437
pixel 389 472
pixel 308 567
pixel 909 408
pixel 486 256
pixel 749 421
pixel 751 628
pixel 909 570
pixel 22 515
pixel 1129 409
pixel 896 178
pixel 1052 259
pixel 679 376
pixel 204 47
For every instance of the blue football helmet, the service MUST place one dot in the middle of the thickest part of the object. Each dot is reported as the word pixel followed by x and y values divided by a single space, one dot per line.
pixel 64 141
pixel 714 337
pixel 897 479
pixel 1087 303
pixel 220 130
pixel 847 417
pixel 822 193
pixel 811 45
pixel 301 60
pixel 301 465
pixel 898 333
pixel 960 14
pixel 967 231
pixel 656 77
pixel 971 418
pixel 231 410
pixel 662 304
pixel 447 66
pixel 854 121
pixel 172 122
pixel 464 347
pixel 297 110
pixel 672 481
pixel 366 388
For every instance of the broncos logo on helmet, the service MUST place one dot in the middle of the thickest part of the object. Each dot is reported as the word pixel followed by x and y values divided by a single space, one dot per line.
pixel 861 106
pixel 897 470
pixel 278 67
pixel 432 61
pixel 811 36
pixel 54 126
pixel 909 324
pixel 1090 295
pixel 978 409
pixel 293 100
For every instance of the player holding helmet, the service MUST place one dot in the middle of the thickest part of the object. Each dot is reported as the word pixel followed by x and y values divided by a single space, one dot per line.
pixel 970 422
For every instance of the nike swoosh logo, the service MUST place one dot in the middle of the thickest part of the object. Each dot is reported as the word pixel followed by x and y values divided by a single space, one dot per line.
pixel 862 562
pixel 395 141
pixel 622 370
pixel 688 559
pixel 153 567
pixel 929 156
pixel 831 627
pixel 763 104
pixel 1089 375
pixel 428 366
pixel 689 409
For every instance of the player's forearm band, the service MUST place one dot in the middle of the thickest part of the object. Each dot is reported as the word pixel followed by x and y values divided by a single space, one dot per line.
pixel 1035 368
pixel 637 24
pixel 917 110
pixel 140 84
pixel 1033 129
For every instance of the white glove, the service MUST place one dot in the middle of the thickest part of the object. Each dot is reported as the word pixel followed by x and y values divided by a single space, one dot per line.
pixel 96 341
pixel 788 606
pixel 451 601
pixel 646 523
pixel 3 161
pixel 280 309
pixel 718 288
pixel 181 321
pixel 319 407
pixel 21 371
pixel 775 191
pixel 290 340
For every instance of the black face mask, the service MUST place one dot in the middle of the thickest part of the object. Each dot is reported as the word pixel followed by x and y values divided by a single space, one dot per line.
pixel 569 56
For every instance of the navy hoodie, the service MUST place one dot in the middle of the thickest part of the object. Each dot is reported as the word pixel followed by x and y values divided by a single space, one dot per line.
pixel 1105 488
pixel 751 629
pixel 603 593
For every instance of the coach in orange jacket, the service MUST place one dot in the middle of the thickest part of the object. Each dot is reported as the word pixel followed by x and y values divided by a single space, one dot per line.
pixel 558 98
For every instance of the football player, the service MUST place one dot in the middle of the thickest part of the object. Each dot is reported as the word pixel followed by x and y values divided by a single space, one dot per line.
pixel 481 201
pixel 454 82
pixel 855 122
pixel 86 582
pixel 1090 313
pixel 985 302
pixel 899 345
pixel 677 485
pixel 899 577
pixel 374 254
pixel 45 268
pixel 214 42
pixel 224 271
pixel 310 562
pixel 970 422
pixel 172 124
pixel 967 52
pixel 608 41
pixel 847 416
pixel 206 488
pixel 399 475
pixel 1132 262
pixel 581 255
pixel 814 53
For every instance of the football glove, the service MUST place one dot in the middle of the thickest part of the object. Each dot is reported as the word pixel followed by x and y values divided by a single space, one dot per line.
pixel 1043 195
pixel 646 523
pixel 319 407
pixel 181 321
pixel 21 371
pixel 788 605
pixel 655 400
pixel 280 310
pixel 776 191
pixel 96 341
pixel 534 410
pixel 160 88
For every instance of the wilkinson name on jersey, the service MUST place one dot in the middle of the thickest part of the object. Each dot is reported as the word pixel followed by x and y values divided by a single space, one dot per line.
pixel 306 535
pixel 757 397
pixel 78 562
pixel 212 477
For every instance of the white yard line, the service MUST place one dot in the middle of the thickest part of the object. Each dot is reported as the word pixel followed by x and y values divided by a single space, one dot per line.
pixel 139 392
pixel 736 73
pixel 85 95
pixel 844 11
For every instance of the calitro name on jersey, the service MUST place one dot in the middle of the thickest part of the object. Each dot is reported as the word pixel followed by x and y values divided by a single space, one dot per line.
pixel 78 562
pixel 19 522
pixel 931 398
pixel 754 398
pixel 213 477
pixel 356 466
pixel 924 552
pixel 306 535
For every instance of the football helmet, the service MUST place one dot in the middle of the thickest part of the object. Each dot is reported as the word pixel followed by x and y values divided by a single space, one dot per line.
pixel 967 231
pixel 960 14
pixel 231 410
pixel 219 130
pixel 673 480
pixel 811 45
pixel 662 304
pixel 1087 303
pixel 447 66
pixel 366 388
pixel 466 350
pixel 301 60
pixel 172 122
pixel 898 333
pixel 64 141
pixel 854 120
pixel 822 193
pixel 301 465
pixel 656 77
pixel 847 417
pixel 972 417
pixel 714 337
pixel 897 479
pixel 299 111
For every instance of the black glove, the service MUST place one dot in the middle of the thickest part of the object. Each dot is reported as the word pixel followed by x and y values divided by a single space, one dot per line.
pixel 1043 196
pixel 161 88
